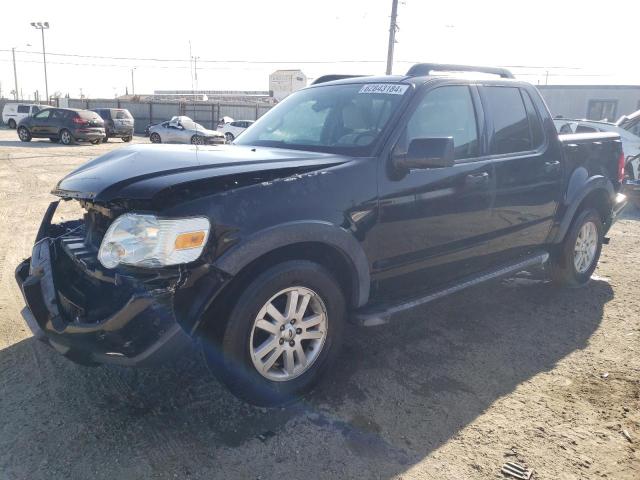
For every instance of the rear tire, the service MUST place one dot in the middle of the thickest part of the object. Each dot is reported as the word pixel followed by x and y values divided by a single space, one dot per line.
pixel 126 139
pixel 24 134
pixel 229 137
pixel 12 124
pixel 197 140
pixel 96 142
pixel 155 138
pixel 65 137
pixel 292 365
pixel 578 255
pixel 105 139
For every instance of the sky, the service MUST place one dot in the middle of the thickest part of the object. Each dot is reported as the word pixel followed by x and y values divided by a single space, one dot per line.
pixel 239 42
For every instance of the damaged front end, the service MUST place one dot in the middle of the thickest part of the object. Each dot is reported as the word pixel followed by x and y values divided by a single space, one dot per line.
pixel 92 314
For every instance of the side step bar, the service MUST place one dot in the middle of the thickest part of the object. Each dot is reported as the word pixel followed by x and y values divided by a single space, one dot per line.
pixel 381 314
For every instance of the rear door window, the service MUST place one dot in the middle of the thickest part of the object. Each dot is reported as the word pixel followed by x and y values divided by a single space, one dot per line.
pixel 535 124
pixel 511 133
pixel 23 108
pixel 120 114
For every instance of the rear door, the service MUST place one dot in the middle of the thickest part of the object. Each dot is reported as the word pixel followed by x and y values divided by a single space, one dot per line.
pixel 433 224
pixel 527 167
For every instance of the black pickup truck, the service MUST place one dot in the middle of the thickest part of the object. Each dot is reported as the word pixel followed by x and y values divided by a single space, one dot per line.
pixel 356 198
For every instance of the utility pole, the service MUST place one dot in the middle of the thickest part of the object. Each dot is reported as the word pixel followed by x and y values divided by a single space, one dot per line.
pixel 393 28
pixel 133 85
pixel 15 74
pixel 42 26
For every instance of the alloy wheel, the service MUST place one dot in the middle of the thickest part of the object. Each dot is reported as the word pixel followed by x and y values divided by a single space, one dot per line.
pixel 288 334
pixel 585 248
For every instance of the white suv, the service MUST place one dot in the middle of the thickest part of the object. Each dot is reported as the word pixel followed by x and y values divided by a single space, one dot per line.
pixel 12 113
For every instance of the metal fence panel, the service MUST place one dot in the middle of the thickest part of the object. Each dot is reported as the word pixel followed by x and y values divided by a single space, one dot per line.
pixel 206 113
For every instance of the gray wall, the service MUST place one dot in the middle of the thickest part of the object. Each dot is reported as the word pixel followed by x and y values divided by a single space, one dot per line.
pixel 572 101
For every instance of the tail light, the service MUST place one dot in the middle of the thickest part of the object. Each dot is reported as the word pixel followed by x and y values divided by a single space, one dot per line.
pixel 621 167
pixel 79 121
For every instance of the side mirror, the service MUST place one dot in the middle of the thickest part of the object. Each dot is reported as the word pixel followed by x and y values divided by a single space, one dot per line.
pixel 436 152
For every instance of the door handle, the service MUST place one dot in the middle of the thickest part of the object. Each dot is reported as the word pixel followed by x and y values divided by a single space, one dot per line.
pixel 477 179
pixel 551 166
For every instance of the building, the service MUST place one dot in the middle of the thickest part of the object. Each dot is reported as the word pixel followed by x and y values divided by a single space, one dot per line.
pixel 593 102
pixel 284 82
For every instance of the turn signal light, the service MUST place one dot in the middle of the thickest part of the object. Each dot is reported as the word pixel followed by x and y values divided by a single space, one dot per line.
pixel 189 240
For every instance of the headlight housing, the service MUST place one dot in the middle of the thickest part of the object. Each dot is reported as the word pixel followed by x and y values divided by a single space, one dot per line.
pixel 149 241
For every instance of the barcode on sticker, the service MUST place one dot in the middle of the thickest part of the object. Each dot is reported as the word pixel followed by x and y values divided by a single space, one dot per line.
pixel 386 88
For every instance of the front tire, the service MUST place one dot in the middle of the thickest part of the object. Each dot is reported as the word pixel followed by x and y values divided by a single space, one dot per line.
pixel 12 124
pixel 579 253
pixel 282 334
pixel 65 137
pixel 126 139
pixel 197 140
pixel 229 137
pixel 155 138
pixel 24 134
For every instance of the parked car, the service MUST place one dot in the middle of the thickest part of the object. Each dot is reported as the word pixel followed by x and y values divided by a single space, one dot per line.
pixel 223 121
pixel 630 141
pixel 12 113
pixel 233 129
pixel 64 125
pixel 184 130
pixel 631 122
pixel 118 123
pixel 147 129
pixel 357 198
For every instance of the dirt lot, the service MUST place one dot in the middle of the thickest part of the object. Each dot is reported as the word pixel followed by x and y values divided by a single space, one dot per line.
pixel 515 370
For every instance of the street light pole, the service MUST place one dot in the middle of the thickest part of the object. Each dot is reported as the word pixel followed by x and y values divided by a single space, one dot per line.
pixel 133 85
pixel 15 74
pixel 42 26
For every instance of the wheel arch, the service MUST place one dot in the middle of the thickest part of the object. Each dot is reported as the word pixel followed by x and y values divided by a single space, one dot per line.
pixel 326 244
pixel 305 240
pixel 595 192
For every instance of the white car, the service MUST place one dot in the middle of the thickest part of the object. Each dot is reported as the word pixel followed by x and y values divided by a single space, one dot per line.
pixel 12 113
pixel 630 141
pixel 233 129
pixel 184 130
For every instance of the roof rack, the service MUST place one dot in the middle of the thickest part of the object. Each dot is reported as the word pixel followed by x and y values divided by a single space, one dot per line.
pixel 423 69
pixel 331 78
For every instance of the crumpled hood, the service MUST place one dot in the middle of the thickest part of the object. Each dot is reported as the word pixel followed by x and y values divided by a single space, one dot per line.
pixel 141 171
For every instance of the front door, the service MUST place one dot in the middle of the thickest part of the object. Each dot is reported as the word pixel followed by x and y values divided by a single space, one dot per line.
pixel 433 224
pixel 40 123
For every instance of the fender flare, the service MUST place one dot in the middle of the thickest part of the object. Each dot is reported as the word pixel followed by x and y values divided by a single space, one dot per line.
pixel 580 186
pixel 267 240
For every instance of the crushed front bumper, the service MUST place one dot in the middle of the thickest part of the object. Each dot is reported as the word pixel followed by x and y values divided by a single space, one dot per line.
pixel 139 333
pixel 91 315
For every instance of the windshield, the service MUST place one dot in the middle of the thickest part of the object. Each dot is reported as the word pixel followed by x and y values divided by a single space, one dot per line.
pixel 345 119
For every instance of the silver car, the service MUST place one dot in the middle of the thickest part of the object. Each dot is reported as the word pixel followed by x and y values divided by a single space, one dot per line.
pixel 184 130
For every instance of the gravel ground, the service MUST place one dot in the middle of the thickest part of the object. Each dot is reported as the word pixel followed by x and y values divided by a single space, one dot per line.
pixel 512 371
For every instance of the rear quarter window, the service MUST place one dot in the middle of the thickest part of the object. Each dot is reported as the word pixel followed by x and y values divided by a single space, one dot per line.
pixel 120 114
pixel 23 108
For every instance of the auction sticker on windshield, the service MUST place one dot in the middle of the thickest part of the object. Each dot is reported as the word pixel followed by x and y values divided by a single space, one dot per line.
pixel 386 88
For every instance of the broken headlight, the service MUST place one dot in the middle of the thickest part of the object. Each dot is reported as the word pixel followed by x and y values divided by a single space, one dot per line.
pixel 148 241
